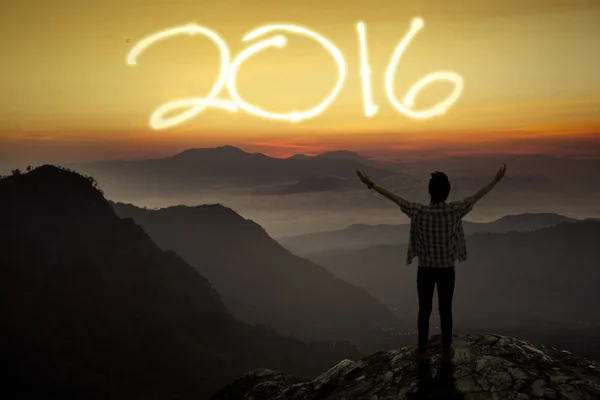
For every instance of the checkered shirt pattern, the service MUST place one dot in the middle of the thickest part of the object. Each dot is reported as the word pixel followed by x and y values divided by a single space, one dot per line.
pixel 436 232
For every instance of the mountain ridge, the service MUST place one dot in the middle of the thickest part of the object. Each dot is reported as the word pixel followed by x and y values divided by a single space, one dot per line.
pixel 93 308
pixel 540 284
pixel 254 273
pixel 221 167
pixel 365 235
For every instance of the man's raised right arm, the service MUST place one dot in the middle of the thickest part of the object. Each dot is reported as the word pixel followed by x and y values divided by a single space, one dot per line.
pixel 467 204
pixel 487 188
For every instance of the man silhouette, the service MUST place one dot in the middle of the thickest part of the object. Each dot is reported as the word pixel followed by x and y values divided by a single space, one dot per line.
pixel 438 240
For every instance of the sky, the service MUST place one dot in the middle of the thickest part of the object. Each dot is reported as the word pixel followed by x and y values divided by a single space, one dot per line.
pixel 529 68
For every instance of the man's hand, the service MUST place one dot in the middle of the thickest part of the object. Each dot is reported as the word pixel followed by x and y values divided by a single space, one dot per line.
pixel 364 178
pixel 501 172
pixel 486 189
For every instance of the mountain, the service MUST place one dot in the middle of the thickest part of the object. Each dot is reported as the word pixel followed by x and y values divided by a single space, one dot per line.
pixel 199 169
pixel 340 154
pixel 354 237
pixel 359 236
pixel 92 308
pixel 260 281
pixel 520 223
pixel 485 367
pixel 542 282
pixel 298 157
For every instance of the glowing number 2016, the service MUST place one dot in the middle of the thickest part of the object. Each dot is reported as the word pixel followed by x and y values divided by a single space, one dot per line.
pixel 229 71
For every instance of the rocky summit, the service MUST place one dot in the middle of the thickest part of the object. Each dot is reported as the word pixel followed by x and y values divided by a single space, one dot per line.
pixel 486 366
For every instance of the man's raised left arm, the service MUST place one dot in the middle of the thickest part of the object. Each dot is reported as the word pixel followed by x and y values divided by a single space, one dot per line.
pixel 406 206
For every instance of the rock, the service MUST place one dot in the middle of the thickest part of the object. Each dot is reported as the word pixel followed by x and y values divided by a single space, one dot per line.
pixel 537 388
pixel 500 381
pixel 550 394
pixel 570 393
pixel 467 385
pixel 478 396
pixel 517 373
pixel 519 385
pixel 483 382
pixel 490 367
pixel 559 378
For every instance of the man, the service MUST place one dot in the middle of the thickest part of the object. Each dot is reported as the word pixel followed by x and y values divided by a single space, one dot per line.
pixel 438 240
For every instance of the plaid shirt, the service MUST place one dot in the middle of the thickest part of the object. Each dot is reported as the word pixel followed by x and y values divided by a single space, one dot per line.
pixel 436 232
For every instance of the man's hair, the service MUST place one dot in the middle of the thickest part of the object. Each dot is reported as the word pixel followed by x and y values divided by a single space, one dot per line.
pixel 439 187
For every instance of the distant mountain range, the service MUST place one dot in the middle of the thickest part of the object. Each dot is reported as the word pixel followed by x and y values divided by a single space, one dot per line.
pixel 196 169
pixel 541 281
pixel 302 193
pixel 92 308
pixel 345 154
pixel 359 236
pixel 259 280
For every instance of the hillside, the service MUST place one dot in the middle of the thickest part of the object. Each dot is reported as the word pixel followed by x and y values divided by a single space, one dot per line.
pixel 92 308
pixel 259 280
pixel 538 283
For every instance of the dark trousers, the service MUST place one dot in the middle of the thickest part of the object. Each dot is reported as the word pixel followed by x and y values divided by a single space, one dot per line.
pixel 427 278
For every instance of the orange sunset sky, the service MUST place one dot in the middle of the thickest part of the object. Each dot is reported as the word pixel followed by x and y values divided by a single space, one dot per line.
pixel 530 69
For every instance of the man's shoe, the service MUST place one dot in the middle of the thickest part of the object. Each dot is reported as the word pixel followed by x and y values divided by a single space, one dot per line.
pixel 419 356
pixel 447 356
